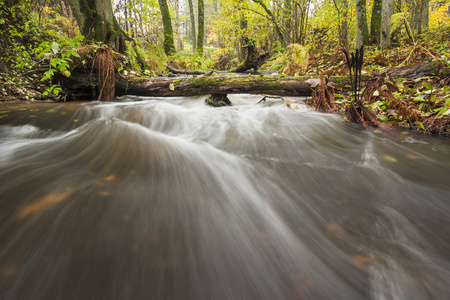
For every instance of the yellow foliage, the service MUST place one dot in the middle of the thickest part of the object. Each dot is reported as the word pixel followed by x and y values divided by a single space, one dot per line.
pixel 439 16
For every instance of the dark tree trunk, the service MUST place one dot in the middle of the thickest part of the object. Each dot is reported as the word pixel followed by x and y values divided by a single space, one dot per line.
pixel 192 21
pixel 169 46
pixel 375 22
pixel 201 27
pixel 253 60
pixel 97 22
pixel 361 24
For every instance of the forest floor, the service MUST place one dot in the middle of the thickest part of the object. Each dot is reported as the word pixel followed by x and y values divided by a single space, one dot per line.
pixel 419 102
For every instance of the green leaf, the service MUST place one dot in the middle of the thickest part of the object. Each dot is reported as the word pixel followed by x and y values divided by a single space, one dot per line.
pixel 55 47
pixel 420 124
pixel 444 111
pixel 376 93
pixel 66 73
pixel 447 89
pixel 428 86
pixel 419 98
pixel 171 87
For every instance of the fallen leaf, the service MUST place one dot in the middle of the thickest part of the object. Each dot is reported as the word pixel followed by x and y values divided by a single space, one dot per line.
pixel 335 229
pixel 44 203
pixel 389 158
pixel 110 178
pixel 9 271
pixel 361 260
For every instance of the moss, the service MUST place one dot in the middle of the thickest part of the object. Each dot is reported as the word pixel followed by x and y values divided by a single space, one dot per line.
pixel 296 60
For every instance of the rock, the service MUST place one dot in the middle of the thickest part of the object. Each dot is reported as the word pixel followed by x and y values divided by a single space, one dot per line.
pixel 218 100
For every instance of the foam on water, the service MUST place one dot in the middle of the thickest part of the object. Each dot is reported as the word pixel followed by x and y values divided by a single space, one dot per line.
pixel 172 199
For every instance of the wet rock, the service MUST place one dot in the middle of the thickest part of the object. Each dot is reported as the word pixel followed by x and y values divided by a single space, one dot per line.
pixel 218 100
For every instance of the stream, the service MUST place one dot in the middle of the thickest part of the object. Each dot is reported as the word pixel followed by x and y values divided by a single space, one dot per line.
pixel 168 198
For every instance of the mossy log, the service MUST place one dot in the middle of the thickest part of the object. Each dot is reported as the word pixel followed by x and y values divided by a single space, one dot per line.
pixel 207 85
pixel 417 70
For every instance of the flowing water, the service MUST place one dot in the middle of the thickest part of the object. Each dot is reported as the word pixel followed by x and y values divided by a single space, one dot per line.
pixel 172 199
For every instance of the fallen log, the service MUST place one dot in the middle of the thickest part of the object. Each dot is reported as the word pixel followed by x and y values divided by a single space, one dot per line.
pixel 416 71
pixel 206 85
pixel 226 84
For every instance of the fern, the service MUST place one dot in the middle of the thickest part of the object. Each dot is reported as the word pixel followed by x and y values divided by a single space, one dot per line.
pixel 397 20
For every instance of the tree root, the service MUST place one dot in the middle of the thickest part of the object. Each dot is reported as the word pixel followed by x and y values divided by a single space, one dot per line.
pixel 104 63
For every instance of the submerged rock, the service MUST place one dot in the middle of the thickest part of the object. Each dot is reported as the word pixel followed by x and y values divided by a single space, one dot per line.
pixel 218 100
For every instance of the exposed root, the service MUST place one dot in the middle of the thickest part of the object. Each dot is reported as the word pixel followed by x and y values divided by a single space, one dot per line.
pixel 104 64
pixel 323 96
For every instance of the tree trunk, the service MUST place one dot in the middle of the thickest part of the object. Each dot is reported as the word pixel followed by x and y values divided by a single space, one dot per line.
pixel 201 27
pixel 425 15
pixel 287 23
pixel 243 35
pixel 97 22
pixel 415 17
pixel 344 36
pixel 217 85
pixel 192 19
pixel 375 22
pixel 386 13
pixel 169 46
pixel 361 24
pixel 177 26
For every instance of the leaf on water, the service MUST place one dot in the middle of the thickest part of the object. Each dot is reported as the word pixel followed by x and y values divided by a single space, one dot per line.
pixel 44 203
pixel 413 156
pixel 405 132
pixel 9 271
pixel 361 260
pixel 153 238
pixel 51 110
pixel 389 158
pixel 335 229
pixel 76 120
pixel 110 177
pixel 104 193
